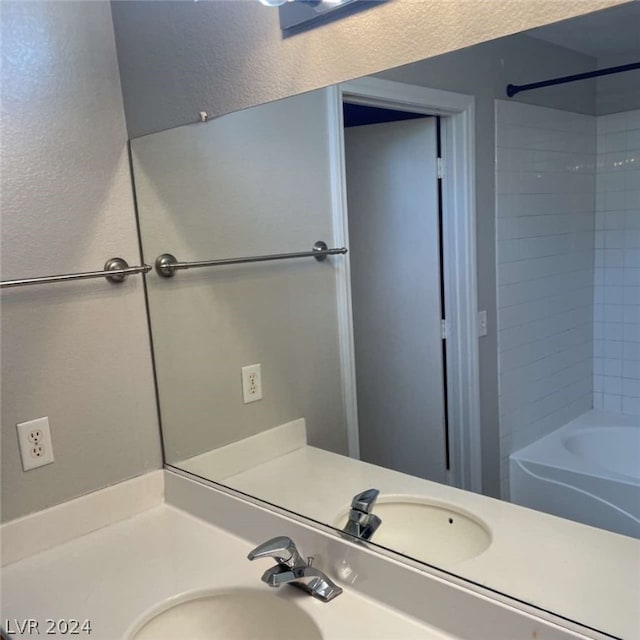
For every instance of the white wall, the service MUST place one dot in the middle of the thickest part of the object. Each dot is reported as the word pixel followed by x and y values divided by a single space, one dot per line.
pixel 545 185
pixel 617 272
pixel 178 58
pixel 76 352
pixel 254 182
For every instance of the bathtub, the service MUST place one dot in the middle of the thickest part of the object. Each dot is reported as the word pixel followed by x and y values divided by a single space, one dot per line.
pixel 588 471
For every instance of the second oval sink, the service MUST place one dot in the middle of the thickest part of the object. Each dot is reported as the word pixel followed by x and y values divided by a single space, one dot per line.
pixel 426 530
pixel 239 614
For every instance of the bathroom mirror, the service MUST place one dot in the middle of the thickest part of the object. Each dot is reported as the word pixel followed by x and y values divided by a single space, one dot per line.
pixel 303 381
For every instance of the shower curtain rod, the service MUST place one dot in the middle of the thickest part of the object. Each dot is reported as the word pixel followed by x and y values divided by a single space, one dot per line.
pixel 512 89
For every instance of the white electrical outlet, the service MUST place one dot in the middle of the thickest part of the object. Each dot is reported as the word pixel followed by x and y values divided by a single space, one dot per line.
pixel 251 383
pixel 34 438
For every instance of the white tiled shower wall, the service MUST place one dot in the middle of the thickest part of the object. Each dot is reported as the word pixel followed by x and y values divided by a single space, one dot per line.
pixel 568 252
pixel 616 364
pixel 546 193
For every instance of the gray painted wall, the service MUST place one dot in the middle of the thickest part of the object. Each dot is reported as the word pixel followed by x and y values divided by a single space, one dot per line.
pixel 484 71
pixel 76 352
pixel 620 91
pixel 179 58
pixel 254 182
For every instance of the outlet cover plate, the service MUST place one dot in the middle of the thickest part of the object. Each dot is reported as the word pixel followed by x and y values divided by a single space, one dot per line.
pixel 34 438
pixel 251 383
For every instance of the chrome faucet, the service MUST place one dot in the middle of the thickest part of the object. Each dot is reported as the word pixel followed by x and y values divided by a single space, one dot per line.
pixel 292 568
pixel 362 523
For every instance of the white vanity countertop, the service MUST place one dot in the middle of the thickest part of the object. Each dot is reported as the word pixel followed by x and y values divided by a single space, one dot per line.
pixel 113 576
pixel 583 573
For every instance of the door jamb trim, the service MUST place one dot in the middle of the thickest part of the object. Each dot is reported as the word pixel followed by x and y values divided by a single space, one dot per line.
pixel 460 279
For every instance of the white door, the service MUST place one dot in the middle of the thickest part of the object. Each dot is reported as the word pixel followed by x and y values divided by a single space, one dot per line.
pixel 393 213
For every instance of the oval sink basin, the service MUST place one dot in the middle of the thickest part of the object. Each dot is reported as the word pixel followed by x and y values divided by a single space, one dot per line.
pixel 426 530
pixel 232 615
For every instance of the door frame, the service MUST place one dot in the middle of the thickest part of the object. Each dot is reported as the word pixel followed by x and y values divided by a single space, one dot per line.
pixel 459 249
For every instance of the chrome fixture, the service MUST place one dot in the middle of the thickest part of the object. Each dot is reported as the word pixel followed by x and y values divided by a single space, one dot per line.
pixel 362 524
pixel 116 270
pixel 167 264
pixel 292 568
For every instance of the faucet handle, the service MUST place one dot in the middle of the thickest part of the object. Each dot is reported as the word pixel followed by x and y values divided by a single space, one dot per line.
pixel 364 501
pixel 282 549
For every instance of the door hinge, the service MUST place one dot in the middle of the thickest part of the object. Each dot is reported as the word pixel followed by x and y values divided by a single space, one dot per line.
pixel 440 168
pixel 444 329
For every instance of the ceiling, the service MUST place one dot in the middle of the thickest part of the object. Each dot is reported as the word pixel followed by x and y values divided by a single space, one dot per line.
pixel 609 32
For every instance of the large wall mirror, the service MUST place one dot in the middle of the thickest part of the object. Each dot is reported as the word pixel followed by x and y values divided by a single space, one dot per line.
pixel 468 333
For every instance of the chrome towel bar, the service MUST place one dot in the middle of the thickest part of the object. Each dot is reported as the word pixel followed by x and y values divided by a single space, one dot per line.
pixel 167 264
pixel 116 270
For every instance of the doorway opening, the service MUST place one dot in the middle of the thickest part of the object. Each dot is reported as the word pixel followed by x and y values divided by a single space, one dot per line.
pixel 407 295
pixel 394 216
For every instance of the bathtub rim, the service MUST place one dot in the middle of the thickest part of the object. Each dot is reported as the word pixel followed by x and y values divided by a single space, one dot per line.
pixel 550 451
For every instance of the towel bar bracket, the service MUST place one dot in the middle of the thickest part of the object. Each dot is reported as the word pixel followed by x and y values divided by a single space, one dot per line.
pixel 116 271
pixel 118 265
